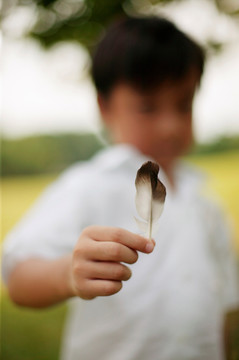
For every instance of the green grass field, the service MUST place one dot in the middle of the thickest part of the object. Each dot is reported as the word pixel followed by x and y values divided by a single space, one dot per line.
pixel 222 172
pixel 35 335
pixel 27 334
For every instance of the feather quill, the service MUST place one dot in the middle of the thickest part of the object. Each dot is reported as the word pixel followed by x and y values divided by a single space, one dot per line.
pixel 150 196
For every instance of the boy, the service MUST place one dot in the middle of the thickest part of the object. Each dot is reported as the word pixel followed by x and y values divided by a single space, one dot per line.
pixel 80 237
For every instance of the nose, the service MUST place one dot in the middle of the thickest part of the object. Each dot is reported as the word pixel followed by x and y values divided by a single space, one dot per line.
pixel 169 124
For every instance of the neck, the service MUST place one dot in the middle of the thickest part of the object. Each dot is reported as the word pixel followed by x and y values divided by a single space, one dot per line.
pixel 168 170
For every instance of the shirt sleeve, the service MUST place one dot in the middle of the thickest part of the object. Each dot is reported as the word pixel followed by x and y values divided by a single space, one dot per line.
pixel 52 226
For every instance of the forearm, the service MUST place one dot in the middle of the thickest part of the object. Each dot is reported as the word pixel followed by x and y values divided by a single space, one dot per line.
pixel 96 267
pixel 41 283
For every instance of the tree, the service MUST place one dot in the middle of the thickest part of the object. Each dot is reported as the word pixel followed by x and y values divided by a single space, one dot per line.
pixel 83 20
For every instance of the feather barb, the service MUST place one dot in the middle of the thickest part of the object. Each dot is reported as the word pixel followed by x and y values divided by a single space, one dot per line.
pixel 150 196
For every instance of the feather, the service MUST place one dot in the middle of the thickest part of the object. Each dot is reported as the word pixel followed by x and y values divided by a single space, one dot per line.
pixel 150 196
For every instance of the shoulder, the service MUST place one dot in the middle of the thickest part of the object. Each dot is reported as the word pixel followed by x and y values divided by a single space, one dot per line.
pixel 102 169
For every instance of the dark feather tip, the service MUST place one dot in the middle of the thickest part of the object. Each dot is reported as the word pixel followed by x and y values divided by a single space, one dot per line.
pixel 150 170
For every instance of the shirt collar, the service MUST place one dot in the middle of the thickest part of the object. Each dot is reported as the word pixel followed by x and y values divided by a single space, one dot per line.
pixel 119 156
pixel 115 156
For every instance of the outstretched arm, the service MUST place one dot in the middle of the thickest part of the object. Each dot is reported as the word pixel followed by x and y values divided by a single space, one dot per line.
pixel 95 268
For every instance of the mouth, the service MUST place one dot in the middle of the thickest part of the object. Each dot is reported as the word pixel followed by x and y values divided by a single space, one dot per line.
pixel 169 148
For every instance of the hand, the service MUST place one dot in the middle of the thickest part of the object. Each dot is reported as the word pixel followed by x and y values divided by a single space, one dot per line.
pixel 97 268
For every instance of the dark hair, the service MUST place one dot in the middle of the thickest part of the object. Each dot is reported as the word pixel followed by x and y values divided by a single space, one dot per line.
pixel 144 52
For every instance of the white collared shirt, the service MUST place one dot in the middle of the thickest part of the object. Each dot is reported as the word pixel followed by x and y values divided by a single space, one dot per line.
pixel 172 308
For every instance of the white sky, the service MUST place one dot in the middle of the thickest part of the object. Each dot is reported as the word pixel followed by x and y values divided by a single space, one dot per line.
pixel 50 92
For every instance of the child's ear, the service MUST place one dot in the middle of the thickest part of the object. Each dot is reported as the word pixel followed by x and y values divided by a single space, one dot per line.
pixel 105 109
pixel 102 103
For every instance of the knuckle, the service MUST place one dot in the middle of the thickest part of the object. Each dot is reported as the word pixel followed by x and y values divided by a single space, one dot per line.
pixel 86 231
pixel 77 252
pixel 115 251
pixel 82 248
pixel 117 234
pixel 79 288
pixel 77 269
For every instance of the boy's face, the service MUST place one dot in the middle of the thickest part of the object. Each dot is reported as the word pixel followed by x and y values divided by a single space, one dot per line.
pixel 158 123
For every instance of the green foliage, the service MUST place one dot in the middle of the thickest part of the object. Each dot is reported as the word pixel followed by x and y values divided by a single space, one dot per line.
pixel 219 145
pixel 46 153
pixel 18 193
pixel 84 21
pixel 30 334
pixel 81 22
pixel 53 153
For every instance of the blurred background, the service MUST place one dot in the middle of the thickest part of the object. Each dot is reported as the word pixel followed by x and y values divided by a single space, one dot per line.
pixel 49 119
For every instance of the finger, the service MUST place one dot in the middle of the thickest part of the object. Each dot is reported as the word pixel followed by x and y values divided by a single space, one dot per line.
pixel 95 288
pixel 108 271
pixel 110 251
pixel 122 236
